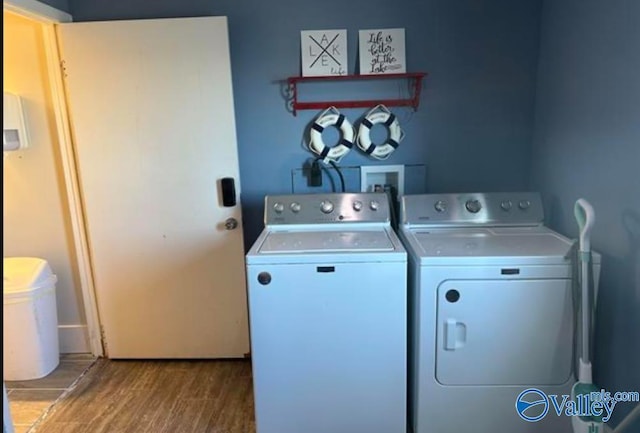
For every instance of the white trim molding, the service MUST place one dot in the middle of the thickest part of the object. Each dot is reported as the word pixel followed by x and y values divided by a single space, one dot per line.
pixel 72 338
pixel 37 11
pixel 74 199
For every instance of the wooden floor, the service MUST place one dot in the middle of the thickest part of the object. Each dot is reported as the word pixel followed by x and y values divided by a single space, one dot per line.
pixel 157 397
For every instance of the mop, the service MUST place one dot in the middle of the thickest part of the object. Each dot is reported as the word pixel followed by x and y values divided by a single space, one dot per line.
pixel 582 389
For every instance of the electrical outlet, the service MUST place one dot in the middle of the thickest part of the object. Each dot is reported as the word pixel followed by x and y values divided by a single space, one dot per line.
pixel 378 178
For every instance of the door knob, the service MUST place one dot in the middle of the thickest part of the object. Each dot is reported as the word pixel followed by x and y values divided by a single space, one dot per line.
pixel 231 224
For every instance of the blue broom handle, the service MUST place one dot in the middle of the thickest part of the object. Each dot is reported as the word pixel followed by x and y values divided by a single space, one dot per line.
pixel 585 216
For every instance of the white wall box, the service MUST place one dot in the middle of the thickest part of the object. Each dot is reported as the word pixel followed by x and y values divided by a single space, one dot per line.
pixel 14 128
pixel 373 177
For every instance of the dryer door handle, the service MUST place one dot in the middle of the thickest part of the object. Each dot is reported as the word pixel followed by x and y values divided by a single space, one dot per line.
pixel 455 334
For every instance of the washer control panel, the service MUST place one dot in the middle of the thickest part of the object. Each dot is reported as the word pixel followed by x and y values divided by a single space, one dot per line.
pixel 517 208
pixel 326 208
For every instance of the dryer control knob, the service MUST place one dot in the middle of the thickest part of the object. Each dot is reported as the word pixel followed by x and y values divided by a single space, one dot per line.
pixel 524 204
pixel 374 205
pixel 440 206
pixel 473 206
pixel 278 207
pixel 506 205
pixel 295 207
pixel 326 206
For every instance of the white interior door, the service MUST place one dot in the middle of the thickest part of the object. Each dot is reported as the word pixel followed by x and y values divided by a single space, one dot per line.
pixel 152 116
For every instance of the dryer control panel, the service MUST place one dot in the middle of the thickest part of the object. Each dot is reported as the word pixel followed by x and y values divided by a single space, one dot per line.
pixel 470 209
pixel 327 208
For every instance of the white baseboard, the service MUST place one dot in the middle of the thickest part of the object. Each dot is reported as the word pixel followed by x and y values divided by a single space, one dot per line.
pixel 73 339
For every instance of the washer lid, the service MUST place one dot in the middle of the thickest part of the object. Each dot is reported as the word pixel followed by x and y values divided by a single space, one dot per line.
pixel 327 241
pixel 23 274
pixel 536 245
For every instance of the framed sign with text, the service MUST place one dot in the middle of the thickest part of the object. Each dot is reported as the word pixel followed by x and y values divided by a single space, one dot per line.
pixel 382 51
pixel 324 52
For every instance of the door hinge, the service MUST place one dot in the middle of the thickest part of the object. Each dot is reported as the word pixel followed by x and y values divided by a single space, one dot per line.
pixel 63 68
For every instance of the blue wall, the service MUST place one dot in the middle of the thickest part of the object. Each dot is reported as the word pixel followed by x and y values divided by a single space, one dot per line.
pixel 587 144
pixel 474 126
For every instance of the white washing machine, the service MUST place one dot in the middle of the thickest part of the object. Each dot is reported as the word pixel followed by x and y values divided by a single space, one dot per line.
pixel 328 316
pixel 492 312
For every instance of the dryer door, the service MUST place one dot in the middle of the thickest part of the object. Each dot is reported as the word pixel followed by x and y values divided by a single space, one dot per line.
pixel 504 332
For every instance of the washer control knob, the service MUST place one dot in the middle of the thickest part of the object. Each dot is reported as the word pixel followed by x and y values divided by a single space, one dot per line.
pixel 524 204
pixel 357 205
pixel 440 206
pixel 295 207
pixel 326 206
pixel 473 206
pixel 278 207
pixel 506 205
pixel 374 205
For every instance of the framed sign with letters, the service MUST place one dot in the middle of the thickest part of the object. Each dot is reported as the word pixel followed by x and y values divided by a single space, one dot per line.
pixel 324 52
pixel 382 51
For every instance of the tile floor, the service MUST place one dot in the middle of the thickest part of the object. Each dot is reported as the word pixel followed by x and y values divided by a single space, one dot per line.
pixel 29 400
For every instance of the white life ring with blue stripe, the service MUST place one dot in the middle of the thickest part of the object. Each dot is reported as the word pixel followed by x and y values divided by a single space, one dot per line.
pixel 379 114
pixel 331 117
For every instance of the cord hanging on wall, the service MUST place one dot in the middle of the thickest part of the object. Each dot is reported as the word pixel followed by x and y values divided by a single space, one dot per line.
pixel 331 117
pixel 379 114
pixel 315 173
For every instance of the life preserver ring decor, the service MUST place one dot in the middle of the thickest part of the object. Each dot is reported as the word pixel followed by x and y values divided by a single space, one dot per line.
pixel 379 114
pixel 331 117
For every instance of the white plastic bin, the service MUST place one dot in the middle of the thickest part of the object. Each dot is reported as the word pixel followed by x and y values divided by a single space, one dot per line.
pixel 30 319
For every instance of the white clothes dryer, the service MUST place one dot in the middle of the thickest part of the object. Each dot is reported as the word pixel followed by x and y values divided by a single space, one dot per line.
pixel 328 320
pixel 493 312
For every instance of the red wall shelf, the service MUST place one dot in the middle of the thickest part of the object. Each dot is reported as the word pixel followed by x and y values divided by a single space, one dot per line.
pixel 415 80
